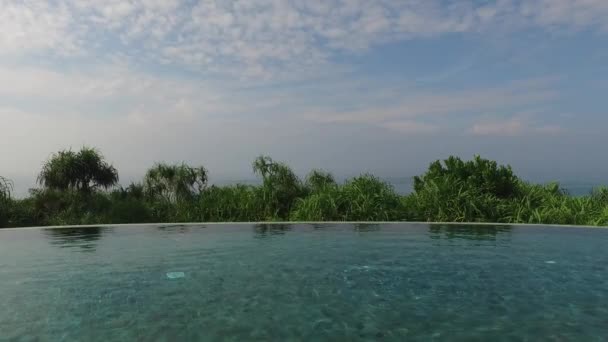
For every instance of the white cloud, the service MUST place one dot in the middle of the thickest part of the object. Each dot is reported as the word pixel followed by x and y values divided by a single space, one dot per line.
pixel 113 91
pixel 34 26
pixel 261 37
pixel 577 14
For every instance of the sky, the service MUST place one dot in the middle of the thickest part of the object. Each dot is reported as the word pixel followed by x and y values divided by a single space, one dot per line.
pixel 349 86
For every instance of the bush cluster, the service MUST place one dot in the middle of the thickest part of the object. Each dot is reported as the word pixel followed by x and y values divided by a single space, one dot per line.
pixel 80 188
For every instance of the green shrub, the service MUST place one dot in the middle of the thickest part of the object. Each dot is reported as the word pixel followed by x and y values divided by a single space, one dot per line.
pixel 237 203
pixel 134 191
pixel 280 187
pixel 318 180
pixel 129 210
pixel 446 199
pixel 5 207
pixel 480 175
pixel 324 204
pixel 600 195
pixel 5 201
pixel 21 214
pixel 549 204
pixel 364 198
pixel 367 198
pixel 453 190
pixel 69 207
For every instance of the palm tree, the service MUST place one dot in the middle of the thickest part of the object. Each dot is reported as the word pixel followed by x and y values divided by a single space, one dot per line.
pixel 83 171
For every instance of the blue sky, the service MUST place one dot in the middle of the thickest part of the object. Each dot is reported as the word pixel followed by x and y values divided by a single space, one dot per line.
pixel 351 86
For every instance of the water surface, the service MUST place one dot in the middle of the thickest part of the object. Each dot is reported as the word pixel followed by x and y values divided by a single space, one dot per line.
pixel 304 282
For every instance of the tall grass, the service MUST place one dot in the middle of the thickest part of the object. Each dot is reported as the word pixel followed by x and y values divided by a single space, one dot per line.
pixel 451 190
pixel 237 203
pixel 451 200
pixel 551 205
pixel 363 198
pixel 6 187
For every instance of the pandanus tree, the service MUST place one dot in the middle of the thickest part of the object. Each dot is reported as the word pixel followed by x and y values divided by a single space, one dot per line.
pixel 5 188
pixel 175 182
pixel 280 186
pixel 84 171
pixel 318 180
pixel 275 173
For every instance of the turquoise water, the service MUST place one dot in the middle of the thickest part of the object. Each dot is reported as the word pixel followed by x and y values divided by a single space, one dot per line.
pixel 304 282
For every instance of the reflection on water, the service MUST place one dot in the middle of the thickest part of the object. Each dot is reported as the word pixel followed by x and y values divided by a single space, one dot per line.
pixel 321 226
pixel 177 228
pixel 265 230
pixel 464 232
pixel 84 238
pixel 366 227
pixel 87 238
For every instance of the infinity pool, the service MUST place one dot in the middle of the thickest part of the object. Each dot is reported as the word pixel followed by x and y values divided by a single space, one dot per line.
pixel 304 282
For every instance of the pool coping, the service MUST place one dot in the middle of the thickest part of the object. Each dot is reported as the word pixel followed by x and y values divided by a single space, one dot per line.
pixel 123 225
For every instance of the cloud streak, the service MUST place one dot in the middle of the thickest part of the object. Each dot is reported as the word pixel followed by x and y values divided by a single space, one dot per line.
pixel 512 127
pixel 438 104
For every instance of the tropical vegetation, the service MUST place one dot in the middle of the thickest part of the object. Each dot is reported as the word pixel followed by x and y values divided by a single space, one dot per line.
pixel 81 187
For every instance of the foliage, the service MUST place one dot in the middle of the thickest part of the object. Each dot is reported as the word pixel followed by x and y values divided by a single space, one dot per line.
pixel 21 214
pixel 451 200
pixel 369 199
pixel 5 200
pixel 549 204
pixel 482 175
pixel 238 203
pixel 173 183
pixel 6 186
pixel 363 198
pixel 324 205
pixel 54 207
pixel 280 187
pixel 75 191
pixel 83 171
pixel 134 191
pixel 318 180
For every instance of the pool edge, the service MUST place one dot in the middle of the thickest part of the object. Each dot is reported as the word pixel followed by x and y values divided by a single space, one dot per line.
pixel 309 222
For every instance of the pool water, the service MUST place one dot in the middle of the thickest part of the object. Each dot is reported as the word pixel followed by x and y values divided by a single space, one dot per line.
pixel 389 282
